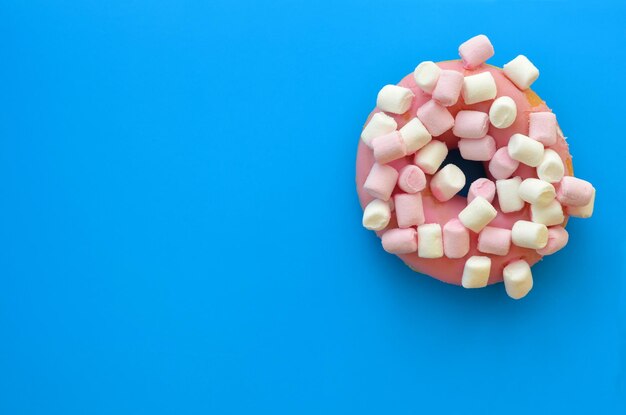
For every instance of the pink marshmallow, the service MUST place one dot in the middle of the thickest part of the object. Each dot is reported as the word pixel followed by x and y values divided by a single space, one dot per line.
pixel 502 166
pixel 435 117
pixel 484 188
pixel 542 127
pixel 400 241
pixel 557 239
pixel 448 87
pixel 476 51
pixel 411 179
pixel 495 241
pixel 481 149
pixel 471 124
pixel 409 209
pixel 574 191
pixel 456 239
pixel 381 181
pixel 388 147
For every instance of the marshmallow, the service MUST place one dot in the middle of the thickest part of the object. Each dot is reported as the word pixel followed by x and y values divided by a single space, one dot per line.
pixel 456 239
pixel 551 168
pixel 525 150
pixel 409 209
pixel 477 214
pixel 436 118
pixel 502 166
pixel 394 99
pixel 379 124
pixel 518 280
pixel 380 181
pixel 503 112
pixel 536 192
pixel 411 179
pixel 430 157
pixel 388 147
pixel 482 149
pixel 476 272
pixel 447 182
pixel 557 239
pixel 376 215
pixel 549 215
pixel 426 75
pixel 521 72
pixel 471 124
pixel 574 191
pixel 495 241
pixel 529 234
pixel 475 51
pixel 415 135
pixel 448 87
pixel 583 211
pixel 399 241
pixel 482 187
pixel 478 88
pixel 542 127
pixel 429 241
pixel 508 194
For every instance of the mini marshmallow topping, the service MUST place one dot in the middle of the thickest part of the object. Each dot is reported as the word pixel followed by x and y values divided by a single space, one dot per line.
pixel 518 280
pixel 551 168
pixel 426 75
pixel 430 157
pixel 476 272
pixel 477 214
pixel 379 124
pixel 429 241
pixel 503 112
pixel 525 150
pixel 415 135
pixel 376 215
pixel 447 182
pixel 478 88
pixel 521 72
pixel 410 191
pixel 536 192
pixel 394 99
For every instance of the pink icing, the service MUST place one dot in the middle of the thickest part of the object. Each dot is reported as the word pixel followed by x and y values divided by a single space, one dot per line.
pixel 447 269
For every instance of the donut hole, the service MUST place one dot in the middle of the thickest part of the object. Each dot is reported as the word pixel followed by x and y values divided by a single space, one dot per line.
pixel 473 170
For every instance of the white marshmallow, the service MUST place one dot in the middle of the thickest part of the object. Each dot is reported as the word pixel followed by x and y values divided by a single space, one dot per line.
pixel 521 72
pixel 551 168
pixel 508 194
pixel 394 99
pixel 518 280
pixel 549 215
pixel 477 214
pixel 426 75
pixel 479 88
pixel 583 211
pixel 503 112
pixel 415 135
pixel 447 182
pixel 525 150
pixel 536 192
pixel 476 272
pixel 376 215
pixel 429 241
pixel 430 157
pixel 380 124
pixel 528 234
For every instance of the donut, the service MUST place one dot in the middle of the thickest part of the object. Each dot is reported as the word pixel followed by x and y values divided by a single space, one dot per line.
pixel 412 194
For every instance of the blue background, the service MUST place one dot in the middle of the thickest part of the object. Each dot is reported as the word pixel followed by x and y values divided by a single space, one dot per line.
pixel 180 233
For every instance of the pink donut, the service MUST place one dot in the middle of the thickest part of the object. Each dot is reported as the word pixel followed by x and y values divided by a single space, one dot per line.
pixel 435 211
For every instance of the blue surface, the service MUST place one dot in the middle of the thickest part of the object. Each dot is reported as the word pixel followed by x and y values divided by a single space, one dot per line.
pixel 180 231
